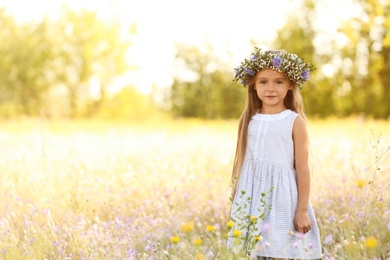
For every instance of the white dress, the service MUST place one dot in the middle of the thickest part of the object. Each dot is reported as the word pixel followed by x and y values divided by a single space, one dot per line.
pixel 267 196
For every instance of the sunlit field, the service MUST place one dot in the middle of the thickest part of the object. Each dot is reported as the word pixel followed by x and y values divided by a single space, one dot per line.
pixel 94 190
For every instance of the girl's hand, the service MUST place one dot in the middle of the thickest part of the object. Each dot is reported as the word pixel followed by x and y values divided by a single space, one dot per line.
pixel 302 222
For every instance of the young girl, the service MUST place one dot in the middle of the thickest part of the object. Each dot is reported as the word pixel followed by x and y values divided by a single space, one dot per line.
pixel 271 213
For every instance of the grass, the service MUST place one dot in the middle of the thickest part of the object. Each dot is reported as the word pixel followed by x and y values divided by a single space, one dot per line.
pixel 127 190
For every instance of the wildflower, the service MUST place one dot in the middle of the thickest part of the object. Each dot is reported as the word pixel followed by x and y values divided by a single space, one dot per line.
pixel 360 183
pixel 188 227
pixel 305 74
pixel 175 239
pixel 258 238
pixel 332 218
pixel 210 228
pixel 230 225
pixel 253 219
pixel 294 56
pixel 210 255
pixel 250 72
pixel 277 62
pixel 266 227
pixel 254 57
pixel 237 233
pixel 198 242
pixel 328 239
pixel 296 245
pixel 371 242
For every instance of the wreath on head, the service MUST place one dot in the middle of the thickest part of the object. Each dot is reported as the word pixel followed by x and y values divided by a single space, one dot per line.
pixel 288 63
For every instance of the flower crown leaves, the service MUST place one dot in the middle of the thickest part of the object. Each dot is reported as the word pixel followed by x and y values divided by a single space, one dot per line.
pixel 289 63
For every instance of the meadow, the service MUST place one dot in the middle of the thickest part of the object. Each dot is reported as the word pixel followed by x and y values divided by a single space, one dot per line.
pixel 160 190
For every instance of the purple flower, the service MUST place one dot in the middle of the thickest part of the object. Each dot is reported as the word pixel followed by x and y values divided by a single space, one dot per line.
pixel 305 74
pixel 277 62
pixel 250 72
pixel 254 57
pixel 328 239
pixel 266 227
pixel 296 245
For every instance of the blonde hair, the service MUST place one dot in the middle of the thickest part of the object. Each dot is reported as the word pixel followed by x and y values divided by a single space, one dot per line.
pixel 293 101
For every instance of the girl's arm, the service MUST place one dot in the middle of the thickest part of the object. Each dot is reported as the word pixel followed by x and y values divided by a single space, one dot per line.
pixel 301 151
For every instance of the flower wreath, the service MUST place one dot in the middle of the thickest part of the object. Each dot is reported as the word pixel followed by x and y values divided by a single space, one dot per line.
pixel 295 69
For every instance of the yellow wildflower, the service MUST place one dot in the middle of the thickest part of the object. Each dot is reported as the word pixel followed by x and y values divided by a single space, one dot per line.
pixel 199 256
pixel 371 242
pixel 253 219
pixel 237 233
pixel 230 225
pixel 258 238
pixel 175 239
pixel 187 227
pixel 360 183
pixel 210 228
pixel 198 242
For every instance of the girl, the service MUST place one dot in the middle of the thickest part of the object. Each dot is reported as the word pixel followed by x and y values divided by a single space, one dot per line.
pixel 271 214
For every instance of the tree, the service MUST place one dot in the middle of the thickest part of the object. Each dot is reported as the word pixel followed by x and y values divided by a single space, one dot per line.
pixel 25 57
pixel 368 50
pixel 297 36
pixel 204 87
pixel 87 49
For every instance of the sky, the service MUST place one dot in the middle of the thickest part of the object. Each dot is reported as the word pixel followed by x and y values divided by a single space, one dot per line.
pixel 228 25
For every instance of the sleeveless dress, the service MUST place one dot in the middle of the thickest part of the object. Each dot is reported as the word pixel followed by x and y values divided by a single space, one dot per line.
pixel 266 198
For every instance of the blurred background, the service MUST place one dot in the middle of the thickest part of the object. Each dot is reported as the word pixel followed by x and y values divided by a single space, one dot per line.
pixel 133 60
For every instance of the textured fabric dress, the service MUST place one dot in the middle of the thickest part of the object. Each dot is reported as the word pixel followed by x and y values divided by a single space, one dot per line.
pixel 266 198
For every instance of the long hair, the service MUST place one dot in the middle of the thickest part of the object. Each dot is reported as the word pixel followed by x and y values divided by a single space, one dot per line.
pixel 293 101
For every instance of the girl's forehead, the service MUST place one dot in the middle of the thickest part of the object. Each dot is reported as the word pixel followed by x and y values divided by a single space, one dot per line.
pixel 270 73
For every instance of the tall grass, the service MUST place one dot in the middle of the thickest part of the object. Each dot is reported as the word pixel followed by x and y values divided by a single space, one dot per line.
pixel 98 190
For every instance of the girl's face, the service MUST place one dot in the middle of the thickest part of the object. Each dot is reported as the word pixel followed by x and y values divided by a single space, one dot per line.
pixel 272 87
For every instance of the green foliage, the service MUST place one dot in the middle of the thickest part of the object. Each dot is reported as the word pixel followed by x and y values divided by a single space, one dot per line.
pixel 361 82
pixel 45 62
pixel 24 58
pixel 297 36
pixel 87 48
pixel 208 91
pixel 247 228
pixel 368 50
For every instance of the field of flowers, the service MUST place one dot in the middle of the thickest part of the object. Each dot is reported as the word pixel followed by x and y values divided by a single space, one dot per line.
pixel 160 190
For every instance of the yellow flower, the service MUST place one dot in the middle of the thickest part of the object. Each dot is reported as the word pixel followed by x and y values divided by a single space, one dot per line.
pixel 360 183
pixel 187 227
pixel 175 239
pixel 237 233
pixel 258 238
pixel 253 219
pixel 199 256
pixel 371 242
pixel 198 242
pixel 210 228
pixel 230 225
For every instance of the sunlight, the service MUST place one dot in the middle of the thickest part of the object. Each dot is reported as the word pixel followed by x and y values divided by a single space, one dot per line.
pixel 226 25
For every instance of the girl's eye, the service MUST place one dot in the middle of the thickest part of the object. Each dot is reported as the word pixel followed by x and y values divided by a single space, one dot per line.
pixel 263 82
pixel 279 82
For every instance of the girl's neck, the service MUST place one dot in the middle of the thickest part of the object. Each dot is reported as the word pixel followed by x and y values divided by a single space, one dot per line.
pixel 271 110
